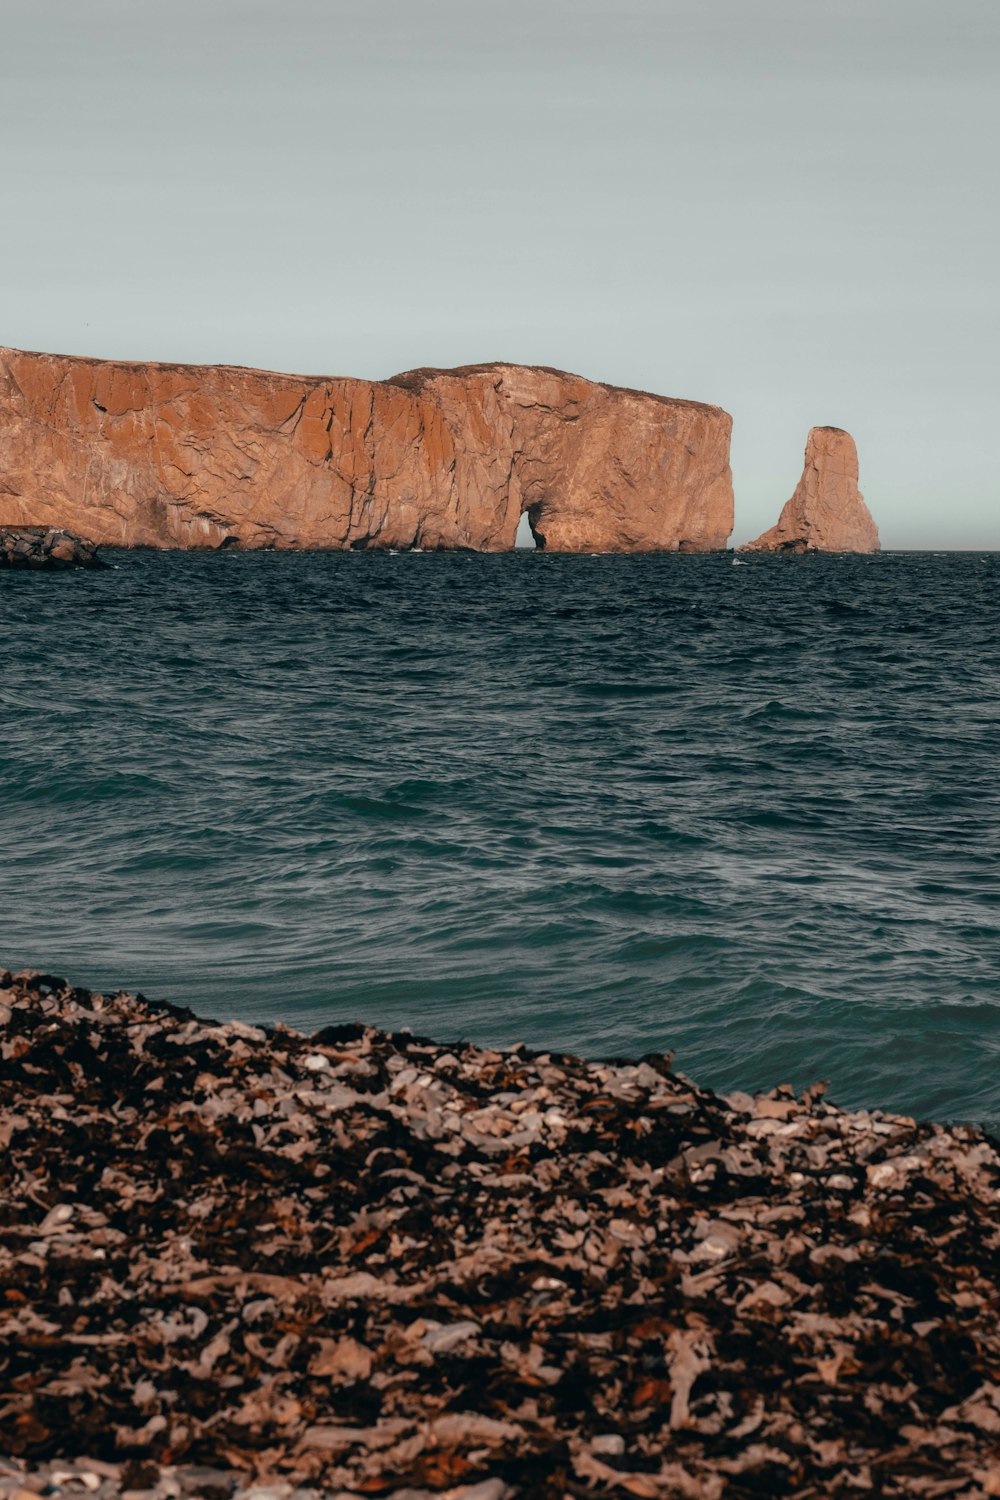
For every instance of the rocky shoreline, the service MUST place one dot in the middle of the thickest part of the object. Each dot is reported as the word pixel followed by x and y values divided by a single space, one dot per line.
pixel 45 547
pixel 238 1261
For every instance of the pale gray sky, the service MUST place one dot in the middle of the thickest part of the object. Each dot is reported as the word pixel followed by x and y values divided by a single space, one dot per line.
pixel 788 207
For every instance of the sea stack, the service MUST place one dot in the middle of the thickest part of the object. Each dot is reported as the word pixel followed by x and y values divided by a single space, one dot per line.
pixel 208 456
pixel 827 513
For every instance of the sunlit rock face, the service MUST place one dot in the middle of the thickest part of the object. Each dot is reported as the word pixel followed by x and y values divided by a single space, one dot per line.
pixel 827 513
pixel 206 456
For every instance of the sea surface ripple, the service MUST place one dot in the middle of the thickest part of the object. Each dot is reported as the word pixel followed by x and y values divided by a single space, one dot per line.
pixel 749 814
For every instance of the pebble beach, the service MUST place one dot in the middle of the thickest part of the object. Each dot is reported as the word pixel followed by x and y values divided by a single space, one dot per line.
pixel 238 1261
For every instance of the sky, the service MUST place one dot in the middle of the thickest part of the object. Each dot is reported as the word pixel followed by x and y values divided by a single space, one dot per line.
pixel 785 207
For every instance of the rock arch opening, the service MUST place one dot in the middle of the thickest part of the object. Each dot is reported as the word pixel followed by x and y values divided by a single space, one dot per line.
pixel 524 541
pixel 528 538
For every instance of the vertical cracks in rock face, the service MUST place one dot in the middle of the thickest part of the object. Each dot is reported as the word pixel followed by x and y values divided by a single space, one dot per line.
pixel 291 422
pixel 9 374
pixel 364 499
pixel 515 454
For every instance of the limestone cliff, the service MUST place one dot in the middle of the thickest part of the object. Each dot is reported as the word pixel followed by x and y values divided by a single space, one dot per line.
pixel 827 513
pixel 203 456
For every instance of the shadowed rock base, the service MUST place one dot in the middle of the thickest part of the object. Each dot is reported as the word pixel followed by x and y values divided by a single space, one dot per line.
pixel 40 547
pixel 827 512
pixel 374 1265
pixel 209 456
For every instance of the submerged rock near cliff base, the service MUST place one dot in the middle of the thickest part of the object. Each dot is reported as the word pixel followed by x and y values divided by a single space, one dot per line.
pixel 42 547
pixel 827 513
pixel 206 456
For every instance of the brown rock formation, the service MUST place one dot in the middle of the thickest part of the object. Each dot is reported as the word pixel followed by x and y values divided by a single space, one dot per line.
pixel 203 456
pixel 827 513
pixel 38 547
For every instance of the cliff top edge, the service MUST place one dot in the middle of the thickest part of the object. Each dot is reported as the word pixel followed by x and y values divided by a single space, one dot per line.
pixel 411 380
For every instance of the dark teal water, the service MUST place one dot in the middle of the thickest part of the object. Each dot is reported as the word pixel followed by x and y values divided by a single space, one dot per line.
pixel 748 813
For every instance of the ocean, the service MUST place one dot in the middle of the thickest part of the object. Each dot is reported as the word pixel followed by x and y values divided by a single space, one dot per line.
pixel 743 810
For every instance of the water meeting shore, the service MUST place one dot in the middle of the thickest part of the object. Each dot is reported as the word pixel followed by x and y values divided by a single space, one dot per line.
pixel 237 1261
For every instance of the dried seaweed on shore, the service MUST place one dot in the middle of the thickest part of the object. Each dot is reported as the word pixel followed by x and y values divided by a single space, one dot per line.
pixel 369 1265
